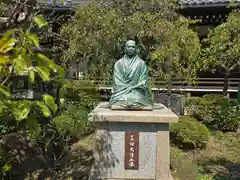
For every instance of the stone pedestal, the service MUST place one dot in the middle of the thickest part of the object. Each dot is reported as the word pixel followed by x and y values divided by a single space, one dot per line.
pixel 150 145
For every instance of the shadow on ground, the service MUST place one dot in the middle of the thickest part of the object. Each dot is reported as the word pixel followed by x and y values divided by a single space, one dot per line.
pixel 32 164
pixel 76 165
pixel 221 168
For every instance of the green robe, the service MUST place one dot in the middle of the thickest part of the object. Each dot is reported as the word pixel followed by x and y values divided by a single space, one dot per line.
pixel 130 83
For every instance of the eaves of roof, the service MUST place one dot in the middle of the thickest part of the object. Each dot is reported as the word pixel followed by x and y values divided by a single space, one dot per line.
pixel 72 4
pixel 207 3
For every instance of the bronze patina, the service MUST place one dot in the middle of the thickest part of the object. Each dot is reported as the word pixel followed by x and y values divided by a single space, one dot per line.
pixel 130 90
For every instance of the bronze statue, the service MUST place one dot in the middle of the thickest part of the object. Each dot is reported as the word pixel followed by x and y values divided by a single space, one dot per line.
pixel 130 90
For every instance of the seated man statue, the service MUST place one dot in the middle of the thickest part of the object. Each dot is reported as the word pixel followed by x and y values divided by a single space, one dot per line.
pixel 130 90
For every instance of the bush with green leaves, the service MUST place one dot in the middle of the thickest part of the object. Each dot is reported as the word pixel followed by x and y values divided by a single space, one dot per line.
pixel 226 118
pixel 189 133
pixel 18 56
pixel 217 112
pixel 71 121
pixel 83 91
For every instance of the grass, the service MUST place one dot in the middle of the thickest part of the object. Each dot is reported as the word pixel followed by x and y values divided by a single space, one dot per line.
pixel 219 161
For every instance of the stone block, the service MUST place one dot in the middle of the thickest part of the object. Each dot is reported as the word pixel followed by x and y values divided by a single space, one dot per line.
pixel 109 147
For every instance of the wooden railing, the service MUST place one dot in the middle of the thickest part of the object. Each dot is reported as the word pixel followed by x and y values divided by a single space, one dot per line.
pixel 202 84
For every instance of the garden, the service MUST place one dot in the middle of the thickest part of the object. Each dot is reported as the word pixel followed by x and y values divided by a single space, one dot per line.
pixel 50 137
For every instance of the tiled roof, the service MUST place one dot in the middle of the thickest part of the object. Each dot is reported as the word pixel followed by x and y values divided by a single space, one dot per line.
pixel 191 3
pixel 207 2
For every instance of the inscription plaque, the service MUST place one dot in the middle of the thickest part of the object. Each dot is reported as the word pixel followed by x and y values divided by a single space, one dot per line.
pixel 131 150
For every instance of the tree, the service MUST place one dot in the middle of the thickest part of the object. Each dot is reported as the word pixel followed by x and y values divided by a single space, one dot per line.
pixel 222 46
pixel 96 38
pixel 18 56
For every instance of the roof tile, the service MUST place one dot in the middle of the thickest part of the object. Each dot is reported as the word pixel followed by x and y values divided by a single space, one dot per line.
pixel 206 2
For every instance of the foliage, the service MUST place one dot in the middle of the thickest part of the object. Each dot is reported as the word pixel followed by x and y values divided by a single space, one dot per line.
pixel 83 91
pixel 219 160
pixel 17 57
pixel 72 120
pixel 163 40
pixel 217 111
pixel 80 97
pixel 226 118
pixel 3 8
pixel 204 177
pixel 191 100
pixel 221 47
pixel 189 133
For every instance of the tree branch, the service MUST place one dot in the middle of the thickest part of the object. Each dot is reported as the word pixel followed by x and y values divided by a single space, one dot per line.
pixel 22 6
pixel 234 66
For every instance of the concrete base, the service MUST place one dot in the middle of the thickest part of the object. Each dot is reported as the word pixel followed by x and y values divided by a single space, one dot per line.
pixel 154 148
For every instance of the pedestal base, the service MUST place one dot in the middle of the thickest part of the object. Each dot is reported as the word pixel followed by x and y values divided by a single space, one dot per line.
pixel 120 108
pixel 153 154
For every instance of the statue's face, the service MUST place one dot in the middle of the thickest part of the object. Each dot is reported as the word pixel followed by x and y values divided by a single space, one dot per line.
pixel 130 48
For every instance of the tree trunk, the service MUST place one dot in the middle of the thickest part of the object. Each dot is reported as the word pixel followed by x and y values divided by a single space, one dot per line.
pixel 169 80
pixel 169 87
pixel 226 82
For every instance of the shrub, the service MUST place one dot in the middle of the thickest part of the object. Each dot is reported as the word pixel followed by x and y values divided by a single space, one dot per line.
pixel 189 133
pixel 204 177
pixel 74 121
pixel 192 101
pixel 217 112
pixel 83 91
pixel 226 118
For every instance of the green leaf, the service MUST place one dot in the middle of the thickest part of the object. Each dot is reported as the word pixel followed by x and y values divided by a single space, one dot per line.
pixel 43 72
pixel 40 21
pixel 31 75
pixel 59 70
pixel 6 37
pixel 3 60
pixel 4 90
pixel 6 167
pixel 33 126
pixel 46 111
pixel 50 101
pixel 44 58
pixel 56 68
pixel 21 110
pixel 2 106
pixel 34 39
pixel 21 64
pixel 7 45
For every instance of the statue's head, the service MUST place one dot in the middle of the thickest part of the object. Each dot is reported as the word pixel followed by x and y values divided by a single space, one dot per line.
pixel 130 48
